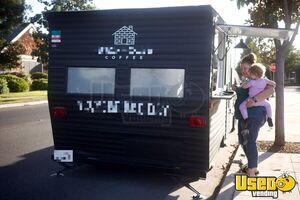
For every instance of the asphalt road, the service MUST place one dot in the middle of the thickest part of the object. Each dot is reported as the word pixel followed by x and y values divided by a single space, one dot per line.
pixel 26 146
pixel 25 167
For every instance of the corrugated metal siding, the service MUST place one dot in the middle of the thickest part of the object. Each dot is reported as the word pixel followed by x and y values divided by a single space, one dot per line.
pixel 180 38
pixel 221 121
pixel 230 114
pixel 217 127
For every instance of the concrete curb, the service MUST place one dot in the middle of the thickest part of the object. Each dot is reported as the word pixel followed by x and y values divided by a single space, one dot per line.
pixel 209 187
pixel 23 104
pixel 228 187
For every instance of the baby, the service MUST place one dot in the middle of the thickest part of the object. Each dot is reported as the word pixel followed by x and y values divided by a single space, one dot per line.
pixel 256 85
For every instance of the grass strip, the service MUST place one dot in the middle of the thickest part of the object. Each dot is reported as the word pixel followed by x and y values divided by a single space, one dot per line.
pixel 23 97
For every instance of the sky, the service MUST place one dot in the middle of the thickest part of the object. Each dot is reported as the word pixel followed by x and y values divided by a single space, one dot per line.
pixel 227 9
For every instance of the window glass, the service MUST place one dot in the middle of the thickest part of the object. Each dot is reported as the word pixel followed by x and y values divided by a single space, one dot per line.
pixel 157 82
pixel 218 63
pixel 91 80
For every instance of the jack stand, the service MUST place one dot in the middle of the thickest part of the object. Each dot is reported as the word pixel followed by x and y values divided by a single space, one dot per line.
pixel 198 196
pixel 67 166
pixel 185 181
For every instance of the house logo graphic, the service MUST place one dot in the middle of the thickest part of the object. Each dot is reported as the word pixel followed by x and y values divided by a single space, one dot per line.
pixel 124 36
pixel 124 49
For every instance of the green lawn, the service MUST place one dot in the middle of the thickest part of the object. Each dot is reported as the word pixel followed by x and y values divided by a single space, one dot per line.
pixel 23 97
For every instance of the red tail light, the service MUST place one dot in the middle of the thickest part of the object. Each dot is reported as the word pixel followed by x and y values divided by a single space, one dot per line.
pixel 196 121
pixel 59 112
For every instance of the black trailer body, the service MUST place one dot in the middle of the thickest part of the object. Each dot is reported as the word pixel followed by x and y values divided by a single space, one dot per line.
pixel 138 87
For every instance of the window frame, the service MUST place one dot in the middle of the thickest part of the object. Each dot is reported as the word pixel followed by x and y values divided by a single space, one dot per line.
pixel 219 52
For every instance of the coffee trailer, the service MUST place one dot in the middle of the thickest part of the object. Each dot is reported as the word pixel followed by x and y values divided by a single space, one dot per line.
pixel 141 87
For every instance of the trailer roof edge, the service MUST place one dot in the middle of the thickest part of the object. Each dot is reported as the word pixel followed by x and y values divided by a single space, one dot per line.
pixel 239 30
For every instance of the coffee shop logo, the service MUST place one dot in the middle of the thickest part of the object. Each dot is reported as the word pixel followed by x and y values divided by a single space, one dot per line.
pixel 124 36
pixel 124 39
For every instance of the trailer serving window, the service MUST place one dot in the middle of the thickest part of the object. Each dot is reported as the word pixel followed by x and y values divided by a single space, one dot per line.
pixel 157 82
pixel 84 80
pixel 218 62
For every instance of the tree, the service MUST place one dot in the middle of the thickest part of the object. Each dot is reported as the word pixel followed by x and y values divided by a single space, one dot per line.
pixel 9 57
pixel 268 13
pixel 11 15
pixel 41 36
pixel 63 5
pixel 292 60
pixel 265 51
pixel 263 48
pixel 42 44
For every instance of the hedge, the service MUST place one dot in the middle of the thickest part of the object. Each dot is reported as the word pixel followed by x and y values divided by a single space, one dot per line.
pixel 3 86
pixel 39 75
pixel 16 84
pixel 21 75
pixel 39 84
pixel 18 74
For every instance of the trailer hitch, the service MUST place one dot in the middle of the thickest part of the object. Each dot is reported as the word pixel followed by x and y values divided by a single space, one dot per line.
pixel 60 172
pixel 66 167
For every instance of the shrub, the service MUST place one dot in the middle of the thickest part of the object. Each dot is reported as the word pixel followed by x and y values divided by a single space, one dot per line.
pixel 21 75
pixel 16 84
pixel 39 84
pixel 18 74
pixel 3 86
pixel 39 75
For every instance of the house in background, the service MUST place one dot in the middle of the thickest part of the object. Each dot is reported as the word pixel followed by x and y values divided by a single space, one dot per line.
pixel 23 34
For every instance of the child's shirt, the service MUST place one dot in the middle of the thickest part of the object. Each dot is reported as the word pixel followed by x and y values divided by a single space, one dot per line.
pixel 256 86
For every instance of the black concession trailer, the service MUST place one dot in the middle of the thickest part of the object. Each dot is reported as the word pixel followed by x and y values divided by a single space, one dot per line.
pixel 140 87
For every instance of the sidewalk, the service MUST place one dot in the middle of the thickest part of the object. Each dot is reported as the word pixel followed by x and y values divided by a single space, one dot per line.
pixel 270 163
